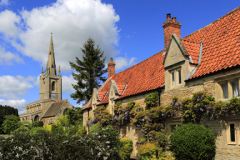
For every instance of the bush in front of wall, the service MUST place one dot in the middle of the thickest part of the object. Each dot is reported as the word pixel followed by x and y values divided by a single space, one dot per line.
pixel 37 124
pixel 38 130
pixel 193 141
pixel 57 129
pixel 148 150
pixel 95 128
pixel 126 147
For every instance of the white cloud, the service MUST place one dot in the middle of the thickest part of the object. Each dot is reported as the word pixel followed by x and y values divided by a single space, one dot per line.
pixel 72 23
pixel 9 23
pixel 7 58
pixel 122 62
pixel 19 104
pixel 4 2
pixel 67 84
pixel 13 87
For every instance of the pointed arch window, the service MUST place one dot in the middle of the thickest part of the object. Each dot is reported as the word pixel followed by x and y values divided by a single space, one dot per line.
pixel 52 65
pixel 53 86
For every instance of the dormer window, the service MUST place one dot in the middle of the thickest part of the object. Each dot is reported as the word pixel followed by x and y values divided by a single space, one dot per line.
pixel 176 77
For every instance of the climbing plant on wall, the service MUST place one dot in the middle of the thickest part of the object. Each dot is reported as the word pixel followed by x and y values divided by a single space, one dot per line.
pixel 101 116
pixel 152 119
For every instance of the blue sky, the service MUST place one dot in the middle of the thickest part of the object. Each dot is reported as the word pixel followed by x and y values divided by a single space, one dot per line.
pixel 130 31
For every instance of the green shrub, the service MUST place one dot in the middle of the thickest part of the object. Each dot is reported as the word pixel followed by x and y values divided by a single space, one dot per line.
pixel 81 130
pixel 21 124
pixel 126 148
pixel 10 123
pixel 72 130
pixel 57 128
pixel 95 128
pixel 20 129
pixel 37 124
pixel 148 150
pixel 38 130
pixel 50 123
pixel 193 141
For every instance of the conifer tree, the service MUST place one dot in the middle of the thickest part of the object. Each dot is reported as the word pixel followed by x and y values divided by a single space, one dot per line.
pixel 89 71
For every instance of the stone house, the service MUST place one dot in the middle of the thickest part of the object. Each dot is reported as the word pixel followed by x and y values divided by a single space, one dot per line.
pixel 206 60
pixel 50 104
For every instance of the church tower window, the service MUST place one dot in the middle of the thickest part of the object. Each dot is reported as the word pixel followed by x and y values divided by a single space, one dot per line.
pixel 53 86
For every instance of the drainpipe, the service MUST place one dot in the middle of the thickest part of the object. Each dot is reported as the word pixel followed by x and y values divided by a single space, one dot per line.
pixel 159 94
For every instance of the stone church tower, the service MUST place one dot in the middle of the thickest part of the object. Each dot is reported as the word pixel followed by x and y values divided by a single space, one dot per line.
pixel 50 104
pixel 50 83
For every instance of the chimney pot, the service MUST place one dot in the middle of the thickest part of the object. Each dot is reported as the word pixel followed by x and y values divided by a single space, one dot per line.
pixel 169 17
pixel 174 19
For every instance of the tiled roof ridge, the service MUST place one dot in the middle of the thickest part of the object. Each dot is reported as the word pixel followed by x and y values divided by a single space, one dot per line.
pixel 213 22
pixel 141 61
pixel 59 101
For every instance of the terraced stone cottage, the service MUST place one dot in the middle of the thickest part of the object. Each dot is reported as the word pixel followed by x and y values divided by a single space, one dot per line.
pixel 206 60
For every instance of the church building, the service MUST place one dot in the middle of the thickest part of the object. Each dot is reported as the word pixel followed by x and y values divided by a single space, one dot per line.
pixel 50 104
pixel 205 60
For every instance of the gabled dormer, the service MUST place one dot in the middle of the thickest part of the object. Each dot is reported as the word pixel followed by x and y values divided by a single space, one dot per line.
pixel 178 63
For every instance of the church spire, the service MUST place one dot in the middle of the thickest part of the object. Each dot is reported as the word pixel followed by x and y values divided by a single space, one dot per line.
pixel 51 66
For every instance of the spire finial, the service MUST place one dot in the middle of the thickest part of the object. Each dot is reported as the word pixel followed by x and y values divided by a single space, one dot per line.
pixel 59 71
pixel 42 69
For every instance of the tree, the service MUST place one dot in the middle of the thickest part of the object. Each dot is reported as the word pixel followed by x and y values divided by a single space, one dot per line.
pixel 75 115
pixel 89 71
pixel 6 110
pixel 10 123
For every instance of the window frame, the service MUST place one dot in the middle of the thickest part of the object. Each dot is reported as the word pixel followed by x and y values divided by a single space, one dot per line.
pixel 173 79
pixel 179 76
pixel 236 80
pixel 228 133
pixel 175 72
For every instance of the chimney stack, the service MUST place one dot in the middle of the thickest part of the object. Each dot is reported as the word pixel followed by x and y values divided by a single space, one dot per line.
pixel 111 68
pixel 171 26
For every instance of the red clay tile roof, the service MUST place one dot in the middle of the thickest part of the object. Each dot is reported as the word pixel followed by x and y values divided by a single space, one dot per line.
pixel 144 76
pixel 221 50
pixel 192 49
pixel 121 88
pixel 105 101
pixel 221 46
pixel 101 95
pixel 89 105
